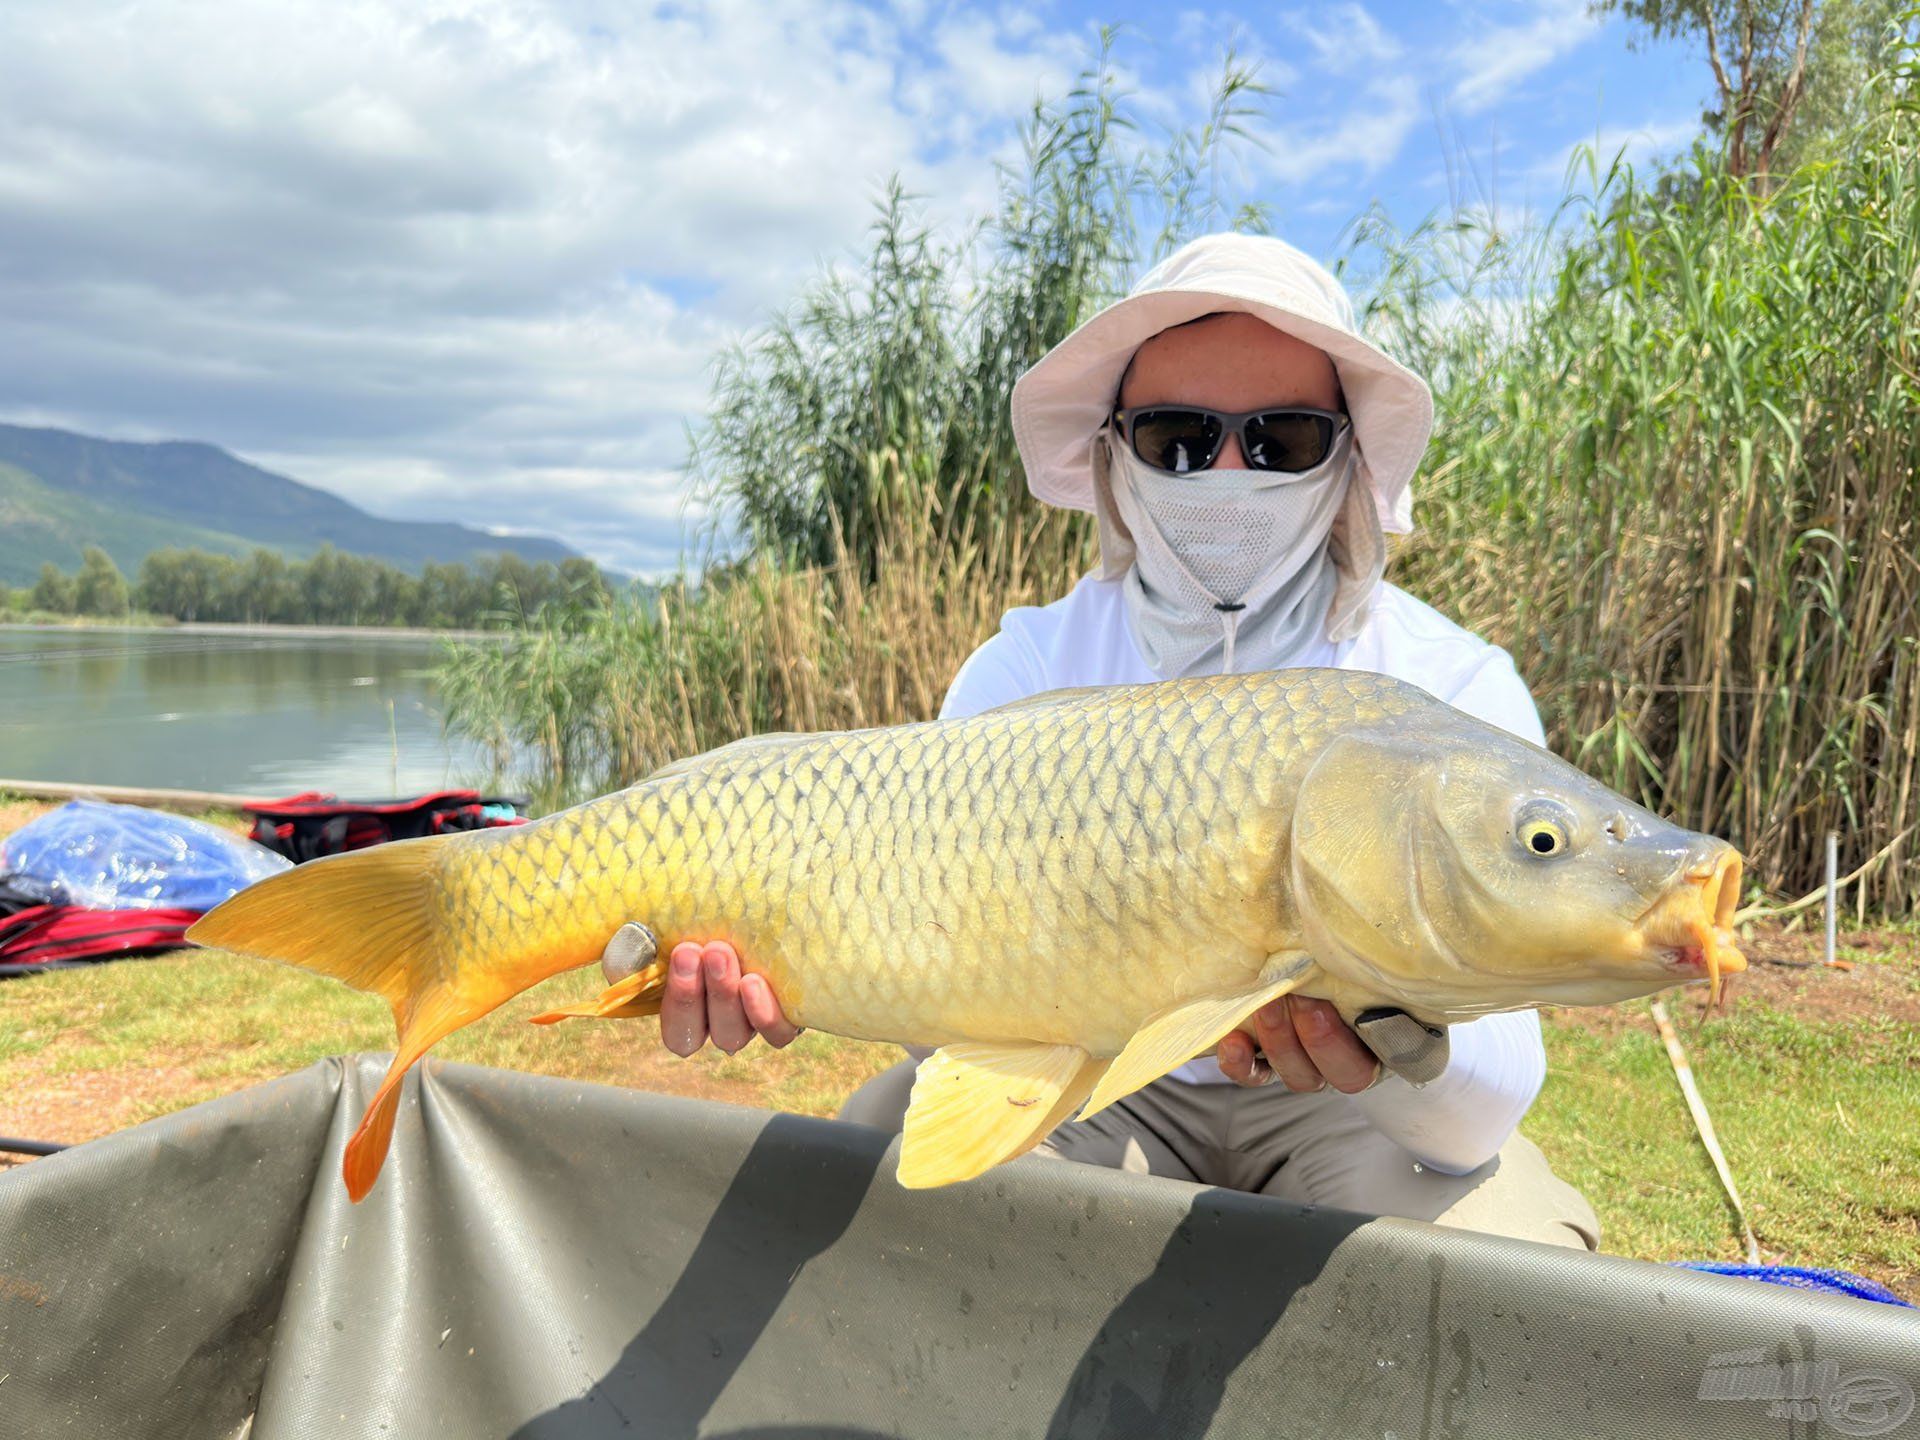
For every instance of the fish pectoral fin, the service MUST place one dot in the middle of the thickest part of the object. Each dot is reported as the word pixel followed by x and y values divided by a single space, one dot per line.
pixel 976 1104
pixel 636 996
pixel 1182 1031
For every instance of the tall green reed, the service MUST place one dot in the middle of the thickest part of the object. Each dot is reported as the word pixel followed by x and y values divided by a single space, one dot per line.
pixel 1678 481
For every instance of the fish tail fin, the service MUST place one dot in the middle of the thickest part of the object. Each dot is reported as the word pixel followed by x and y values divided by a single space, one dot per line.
pixel 369 918
pixel 420 1030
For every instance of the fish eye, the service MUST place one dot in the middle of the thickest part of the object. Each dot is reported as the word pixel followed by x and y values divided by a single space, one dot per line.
pixel 1542 837
pixel 1544 831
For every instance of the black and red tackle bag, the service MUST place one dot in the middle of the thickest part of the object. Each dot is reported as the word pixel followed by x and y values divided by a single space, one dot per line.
pixel 307 826
pixel 48 937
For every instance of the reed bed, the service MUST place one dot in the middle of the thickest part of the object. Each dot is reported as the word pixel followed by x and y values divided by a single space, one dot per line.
pixel 1674 473
pixel 1680 486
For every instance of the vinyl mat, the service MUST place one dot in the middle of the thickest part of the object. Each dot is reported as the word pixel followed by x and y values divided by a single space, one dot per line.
pixel 545 1259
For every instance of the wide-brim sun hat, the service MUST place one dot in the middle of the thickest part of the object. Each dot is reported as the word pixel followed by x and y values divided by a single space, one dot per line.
pixel 1061 405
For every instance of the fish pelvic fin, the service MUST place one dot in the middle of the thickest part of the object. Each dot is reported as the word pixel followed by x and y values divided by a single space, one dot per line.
pixel 369 918
pixel 1174 1036
pixel 635 997
pixel 976 1104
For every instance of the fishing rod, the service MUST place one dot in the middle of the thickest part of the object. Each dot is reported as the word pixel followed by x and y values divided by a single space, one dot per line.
pixel 31 1147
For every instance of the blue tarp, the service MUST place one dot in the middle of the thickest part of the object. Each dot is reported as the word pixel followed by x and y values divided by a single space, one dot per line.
pixel 124 857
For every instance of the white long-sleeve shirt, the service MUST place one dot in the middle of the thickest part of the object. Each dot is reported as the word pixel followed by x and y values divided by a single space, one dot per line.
pixel 1460 1120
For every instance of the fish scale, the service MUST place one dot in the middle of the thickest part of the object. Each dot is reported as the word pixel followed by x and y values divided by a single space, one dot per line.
pixel 892 838
pixel 1069 895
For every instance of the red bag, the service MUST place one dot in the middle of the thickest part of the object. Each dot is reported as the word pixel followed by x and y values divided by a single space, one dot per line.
pixel 44 937
pixel 315 823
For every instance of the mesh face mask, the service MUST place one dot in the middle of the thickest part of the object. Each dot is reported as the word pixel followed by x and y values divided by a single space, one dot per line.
pixel 1237 563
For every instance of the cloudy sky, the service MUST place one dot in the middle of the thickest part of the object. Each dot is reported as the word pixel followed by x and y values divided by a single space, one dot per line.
pixel 471 259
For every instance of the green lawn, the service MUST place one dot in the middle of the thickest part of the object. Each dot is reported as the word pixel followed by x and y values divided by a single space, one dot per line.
pixel 1820 1120
pixel 83 1052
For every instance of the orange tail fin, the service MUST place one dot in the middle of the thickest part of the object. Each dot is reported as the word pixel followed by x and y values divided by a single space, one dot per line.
pixel 366 918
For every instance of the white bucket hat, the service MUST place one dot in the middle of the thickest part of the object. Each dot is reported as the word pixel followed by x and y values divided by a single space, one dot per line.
pixel 1062 404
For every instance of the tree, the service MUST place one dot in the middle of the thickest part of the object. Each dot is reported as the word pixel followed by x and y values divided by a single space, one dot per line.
pixel 1766 42
pixel 1853 41
pixel 225 580
pixel 53 592
pixel 1776 64
pixel 158 584
pixel 320 585
pixel 513 585
pixel 582 582
pixel 99 588
pixel 353 587
pixel 438 600
pixel 174 582
pixel 266 591
pixel 396 594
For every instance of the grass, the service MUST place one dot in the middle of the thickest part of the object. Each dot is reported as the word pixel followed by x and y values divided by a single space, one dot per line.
pixel 1817 1119
pixel 85 1052
pixel 16 810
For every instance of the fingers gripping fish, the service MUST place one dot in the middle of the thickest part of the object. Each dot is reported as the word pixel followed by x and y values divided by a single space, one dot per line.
pixel 1023 889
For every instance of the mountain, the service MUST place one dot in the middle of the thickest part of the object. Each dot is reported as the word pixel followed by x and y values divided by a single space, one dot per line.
pixel 60 492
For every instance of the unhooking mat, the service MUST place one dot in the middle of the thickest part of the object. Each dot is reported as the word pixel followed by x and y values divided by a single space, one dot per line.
pixel 549 1259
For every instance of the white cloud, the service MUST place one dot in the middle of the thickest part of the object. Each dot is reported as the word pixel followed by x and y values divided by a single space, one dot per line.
pixel 1343 38
pixel 464 258
pixel 1495 58
pixel 1632 144
pixel 1355 144
pixel 988 77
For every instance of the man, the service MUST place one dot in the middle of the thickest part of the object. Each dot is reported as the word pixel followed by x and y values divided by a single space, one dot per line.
pixel 1244 451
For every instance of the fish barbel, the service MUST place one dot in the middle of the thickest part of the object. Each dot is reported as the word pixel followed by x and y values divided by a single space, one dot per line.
pixel 1069 896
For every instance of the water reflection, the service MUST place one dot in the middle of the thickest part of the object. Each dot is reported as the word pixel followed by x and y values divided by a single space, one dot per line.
pixel 261 715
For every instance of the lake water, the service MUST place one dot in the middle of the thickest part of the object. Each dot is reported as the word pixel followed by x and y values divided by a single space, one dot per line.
pixel 259 715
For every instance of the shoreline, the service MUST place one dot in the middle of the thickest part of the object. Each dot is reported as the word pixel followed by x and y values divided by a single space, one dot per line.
pixel 261 631
pixel 189 802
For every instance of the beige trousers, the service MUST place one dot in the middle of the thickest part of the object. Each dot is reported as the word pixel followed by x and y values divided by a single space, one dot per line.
pixel 1311 1149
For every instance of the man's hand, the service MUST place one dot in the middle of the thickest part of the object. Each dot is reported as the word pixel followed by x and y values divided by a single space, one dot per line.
pixel 1307 1046
pixel 707 998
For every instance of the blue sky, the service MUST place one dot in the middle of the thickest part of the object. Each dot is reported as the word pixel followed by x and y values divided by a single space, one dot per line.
pixel 471 259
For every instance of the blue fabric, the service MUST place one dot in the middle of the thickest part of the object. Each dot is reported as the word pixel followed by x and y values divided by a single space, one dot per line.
pixel 124 857
pixel 1803 1277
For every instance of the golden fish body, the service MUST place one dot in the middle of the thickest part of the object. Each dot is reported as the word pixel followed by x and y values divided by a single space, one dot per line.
pixel 1041 872
pixel 1124 872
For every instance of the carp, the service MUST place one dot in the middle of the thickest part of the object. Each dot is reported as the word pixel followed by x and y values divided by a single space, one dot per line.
pixel 1069 896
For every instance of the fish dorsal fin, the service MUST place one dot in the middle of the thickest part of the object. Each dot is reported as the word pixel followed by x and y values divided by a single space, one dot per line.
pixel 1182 1031
pixel 733 751
pixel 976 1104
pixel 1046 698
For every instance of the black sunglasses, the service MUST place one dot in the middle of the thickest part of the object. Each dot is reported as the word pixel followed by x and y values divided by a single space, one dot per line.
pixel 1181 439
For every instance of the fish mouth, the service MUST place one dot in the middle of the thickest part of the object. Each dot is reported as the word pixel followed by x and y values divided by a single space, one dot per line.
pixel 1692 923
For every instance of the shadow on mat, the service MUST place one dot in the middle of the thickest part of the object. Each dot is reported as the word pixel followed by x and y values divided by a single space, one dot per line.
pixel 1158 1368
pixel 767 1226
